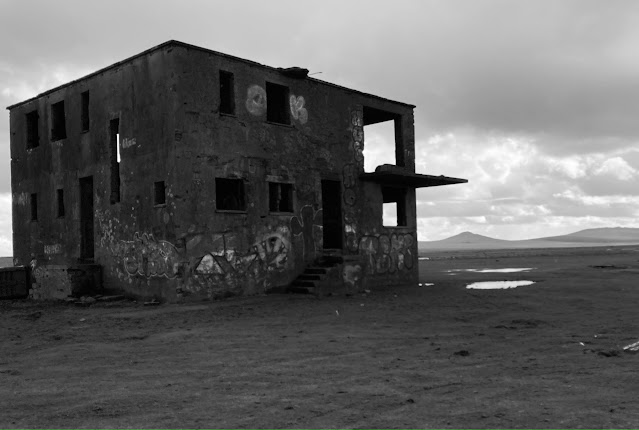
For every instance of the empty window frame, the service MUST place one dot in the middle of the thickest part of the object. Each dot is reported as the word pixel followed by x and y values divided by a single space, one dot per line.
pixel 227 93
pixel 114 149
pixel 60 203
pixel 229 194
pixel 58 121
pixel 34 206
pixel 277 104
pixel 84 114
pixel 394 207
pixel 159 193
pixel 280 197
pixel 383 139
pixel 33 135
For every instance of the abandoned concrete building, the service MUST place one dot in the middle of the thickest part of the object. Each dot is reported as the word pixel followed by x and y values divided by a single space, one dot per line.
pixel 184 172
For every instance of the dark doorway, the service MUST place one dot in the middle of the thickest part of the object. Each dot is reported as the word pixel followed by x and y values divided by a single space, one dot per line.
pixel 332 214
pixel 86 218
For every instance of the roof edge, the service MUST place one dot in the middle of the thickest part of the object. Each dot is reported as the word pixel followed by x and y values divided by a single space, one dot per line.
pixel 173 42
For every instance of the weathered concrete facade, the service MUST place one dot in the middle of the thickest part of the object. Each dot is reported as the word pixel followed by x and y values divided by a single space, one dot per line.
pixel 186 172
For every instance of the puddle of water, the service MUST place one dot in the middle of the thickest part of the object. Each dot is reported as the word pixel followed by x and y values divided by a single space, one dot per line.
pixel 497 285
pixel 425 284
pixel 423 258
pixel 506 270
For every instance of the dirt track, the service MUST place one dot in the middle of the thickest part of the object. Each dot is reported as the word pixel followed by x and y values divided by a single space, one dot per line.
pixel 545 355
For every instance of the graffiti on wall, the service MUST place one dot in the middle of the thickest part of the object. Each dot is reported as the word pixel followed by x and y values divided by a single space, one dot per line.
pixel 309 225
pixel 387 253
pixel 256 100
pixel 55 248
pixel 128 142
pixel 268 254
pixel 20 198
pixel 298 111
pixel 148 257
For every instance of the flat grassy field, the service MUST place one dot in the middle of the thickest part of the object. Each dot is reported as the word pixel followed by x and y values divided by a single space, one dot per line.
pixel 547 355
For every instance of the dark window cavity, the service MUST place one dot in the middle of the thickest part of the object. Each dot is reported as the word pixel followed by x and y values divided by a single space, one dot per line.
pixel 227 93
pixel 383 139
pixel 230 194
pixel 85 111
pixel 280 197
pixel 58 123
pixel 159 193
pixel 33 135
pixel 114 149
pixel 60 200
pixel 277 104
pixel 394 211
pixel 34 207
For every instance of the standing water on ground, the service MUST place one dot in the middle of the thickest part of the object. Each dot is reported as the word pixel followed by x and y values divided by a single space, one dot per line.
pixel 497 285
pixel 506 270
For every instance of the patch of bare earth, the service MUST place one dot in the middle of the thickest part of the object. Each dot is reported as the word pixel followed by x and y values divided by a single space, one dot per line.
pixel 545 355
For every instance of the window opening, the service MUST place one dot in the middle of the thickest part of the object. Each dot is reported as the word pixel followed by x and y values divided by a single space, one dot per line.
pixel 60 200
pixel 159 193
pixel 34 207
pixel 227 93
pixel 394 207
pixel 277 104
pixel 230 194
pixel 114 147
pixel 280 197
pixel 85 111
pixel 33 136
pixel 383 139
pixel 58 123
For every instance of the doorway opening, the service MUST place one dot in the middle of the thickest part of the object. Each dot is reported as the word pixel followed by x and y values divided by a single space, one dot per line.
pixel 332 214
pixel 87 246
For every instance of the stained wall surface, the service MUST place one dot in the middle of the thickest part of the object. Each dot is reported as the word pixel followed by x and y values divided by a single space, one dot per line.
pixel 221 191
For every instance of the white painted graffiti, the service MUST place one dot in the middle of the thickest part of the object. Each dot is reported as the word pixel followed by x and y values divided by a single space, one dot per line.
pixel 298 111
pixel 20 198
pixel 148 257
pixel 56 248
pixel 256 100
pixel 128 142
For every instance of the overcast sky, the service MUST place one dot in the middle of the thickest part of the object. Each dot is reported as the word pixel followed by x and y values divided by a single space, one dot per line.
pixel 535 102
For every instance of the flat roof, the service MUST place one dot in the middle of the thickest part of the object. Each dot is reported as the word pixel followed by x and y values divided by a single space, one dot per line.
pixel 198 48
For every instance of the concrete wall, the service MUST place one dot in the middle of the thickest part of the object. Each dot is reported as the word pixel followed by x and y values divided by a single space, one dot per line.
pixel 171 130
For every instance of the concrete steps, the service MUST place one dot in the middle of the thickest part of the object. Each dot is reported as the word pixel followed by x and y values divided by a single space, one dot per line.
pixel 311 280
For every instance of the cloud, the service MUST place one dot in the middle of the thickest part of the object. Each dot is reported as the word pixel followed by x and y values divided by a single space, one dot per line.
pixel 6 235
pixel 534 102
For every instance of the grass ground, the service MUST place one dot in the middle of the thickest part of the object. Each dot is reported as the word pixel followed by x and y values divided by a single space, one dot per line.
pixel 549 355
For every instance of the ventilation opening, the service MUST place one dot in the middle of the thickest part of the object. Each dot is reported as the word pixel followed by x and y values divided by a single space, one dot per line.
pixel 85 111
pixel 114 146
pixel 34 206
pixel 229 194
pixel 159 193
pixel 280 197
pixel 383 140
pixel 277 104
pixel 227 93
pixel 394 207
pixel 58 124
pixel 60 205
pixel 33 136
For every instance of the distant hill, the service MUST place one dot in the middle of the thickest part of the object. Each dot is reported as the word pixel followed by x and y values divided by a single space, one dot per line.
pixel 589 237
